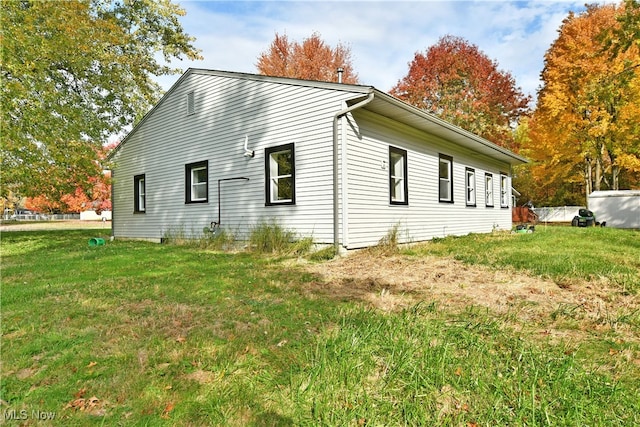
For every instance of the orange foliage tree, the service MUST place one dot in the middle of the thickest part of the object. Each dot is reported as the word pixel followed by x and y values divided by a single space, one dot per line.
pixel 585 130
pixel 454 80
pixel 312 59
pixel 93 193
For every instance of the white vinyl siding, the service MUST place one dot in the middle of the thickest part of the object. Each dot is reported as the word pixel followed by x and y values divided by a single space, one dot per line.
pixel 274 115
pixel 370 217
pixel 230 108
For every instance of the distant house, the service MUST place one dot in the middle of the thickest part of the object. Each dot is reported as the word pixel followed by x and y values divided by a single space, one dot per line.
pixel 340 163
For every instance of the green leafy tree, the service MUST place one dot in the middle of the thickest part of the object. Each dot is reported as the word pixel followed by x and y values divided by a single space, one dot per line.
pixel 73 73
pixel 627 34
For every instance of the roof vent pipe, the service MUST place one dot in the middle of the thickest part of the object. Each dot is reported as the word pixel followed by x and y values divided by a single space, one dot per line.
pixel 340 71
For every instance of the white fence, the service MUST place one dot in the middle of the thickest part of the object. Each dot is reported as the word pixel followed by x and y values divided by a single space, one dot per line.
pixel 557 214
pixel 39 217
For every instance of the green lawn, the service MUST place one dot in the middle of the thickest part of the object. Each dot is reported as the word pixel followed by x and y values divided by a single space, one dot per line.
pixel 135 333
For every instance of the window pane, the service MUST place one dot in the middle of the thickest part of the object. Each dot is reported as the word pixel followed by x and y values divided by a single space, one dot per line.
pixel 397 164
pixel 141 194
pixel 199 191
pixel 397 190
pixel 444 169
pixel 471 187
pixel 283 189
pixel 489 190
pixel 444 189
pixel 396 175
pixel 281 175
pixel 199 176
pixel 504 193
pixel 283 163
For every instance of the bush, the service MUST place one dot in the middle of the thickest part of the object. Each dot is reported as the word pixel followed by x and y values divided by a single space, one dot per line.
pixel 388 245
pixel 271 237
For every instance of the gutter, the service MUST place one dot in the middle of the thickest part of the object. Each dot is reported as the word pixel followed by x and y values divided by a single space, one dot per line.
pixel 338 115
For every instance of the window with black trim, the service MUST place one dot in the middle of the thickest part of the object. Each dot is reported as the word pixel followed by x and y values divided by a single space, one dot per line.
pixel 139 194
pixel 280 175
pixel 504 191
pixel 398 182
pixel 445 176
pixel 470 180
pixel 197 182
pixel 488 189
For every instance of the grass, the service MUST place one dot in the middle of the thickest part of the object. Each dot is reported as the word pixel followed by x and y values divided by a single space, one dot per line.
pixel 563 254
pixel 135 333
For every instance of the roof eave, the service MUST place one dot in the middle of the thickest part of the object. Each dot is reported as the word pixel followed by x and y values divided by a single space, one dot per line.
pixel 452 132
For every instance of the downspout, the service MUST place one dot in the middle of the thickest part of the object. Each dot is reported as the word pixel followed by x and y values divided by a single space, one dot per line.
pixel 336 228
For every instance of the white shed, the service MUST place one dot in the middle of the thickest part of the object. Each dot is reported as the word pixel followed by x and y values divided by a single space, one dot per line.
pixel 619 208
pixel 340 163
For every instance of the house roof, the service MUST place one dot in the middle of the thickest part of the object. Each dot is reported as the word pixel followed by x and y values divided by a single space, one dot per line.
pixel 382 103
pixel 393 108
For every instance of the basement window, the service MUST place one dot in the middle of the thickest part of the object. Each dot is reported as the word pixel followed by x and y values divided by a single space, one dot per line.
pixel 139 194
pixel 197 182
pixel 280 175
pixel 398 186
pixel 445 176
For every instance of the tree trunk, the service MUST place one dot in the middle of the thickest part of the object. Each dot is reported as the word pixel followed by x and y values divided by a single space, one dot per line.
pixel 588 177
pixel 598 177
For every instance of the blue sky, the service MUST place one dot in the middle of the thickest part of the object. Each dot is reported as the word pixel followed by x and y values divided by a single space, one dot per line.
pixel 383 35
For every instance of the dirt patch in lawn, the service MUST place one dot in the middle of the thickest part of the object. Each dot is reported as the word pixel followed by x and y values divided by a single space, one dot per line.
pixel 394 282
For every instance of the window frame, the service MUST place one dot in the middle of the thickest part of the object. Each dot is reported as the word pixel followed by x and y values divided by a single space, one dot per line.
pixel 394 177
pixel 470 186
pixel 190 168
pixel 444 158
pixel 138 196
pixel 488 190
pixel 504 190
pixel 269 188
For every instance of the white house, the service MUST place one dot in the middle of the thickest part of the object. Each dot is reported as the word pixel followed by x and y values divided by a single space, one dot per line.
pixel 340 163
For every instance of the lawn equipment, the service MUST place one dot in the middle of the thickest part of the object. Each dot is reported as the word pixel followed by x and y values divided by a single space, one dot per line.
pixel 585 218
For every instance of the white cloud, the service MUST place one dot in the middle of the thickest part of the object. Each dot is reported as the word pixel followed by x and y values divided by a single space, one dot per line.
pixel 383 36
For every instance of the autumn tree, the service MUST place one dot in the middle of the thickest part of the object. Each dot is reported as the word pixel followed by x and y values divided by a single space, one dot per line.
pixel 585 130
pixel 73 73
pixel 454 80
pixel 627 34
pixel 312 59
pixel 94 195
